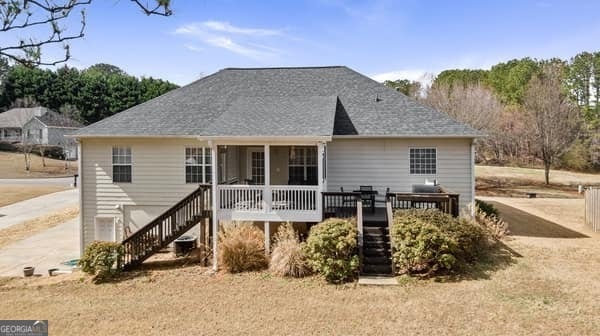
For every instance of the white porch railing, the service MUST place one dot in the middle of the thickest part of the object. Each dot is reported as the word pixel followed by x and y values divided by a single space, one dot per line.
pixel 296 198
pixel 241 197
pixel 12 138
pixel 286 202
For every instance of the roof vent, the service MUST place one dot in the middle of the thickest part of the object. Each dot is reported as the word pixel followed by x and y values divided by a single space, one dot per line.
pixel 377 99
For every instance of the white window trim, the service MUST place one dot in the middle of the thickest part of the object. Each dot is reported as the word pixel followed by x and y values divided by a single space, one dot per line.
pixel 114 227
pixel 121 164
pixel 203 164
pixel 305 165
pixel 436 160
pixel 249 152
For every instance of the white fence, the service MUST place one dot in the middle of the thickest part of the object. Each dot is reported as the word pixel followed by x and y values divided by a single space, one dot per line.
pixel 592 208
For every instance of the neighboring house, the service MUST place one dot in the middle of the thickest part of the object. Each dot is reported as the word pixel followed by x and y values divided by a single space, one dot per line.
pixel 270 145
pixel 12 121
pixel 50 129
pixel 40 126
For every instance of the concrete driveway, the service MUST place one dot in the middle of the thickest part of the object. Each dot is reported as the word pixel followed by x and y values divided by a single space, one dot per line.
pixel 59 181
pixel 44 250
pixel 35 207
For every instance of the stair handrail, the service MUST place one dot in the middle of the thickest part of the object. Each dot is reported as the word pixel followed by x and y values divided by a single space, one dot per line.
pixel 158 222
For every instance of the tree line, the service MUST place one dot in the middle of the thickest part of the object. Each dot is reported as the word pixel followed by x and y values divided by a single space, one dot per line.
pixel 534 112
pixel 87 95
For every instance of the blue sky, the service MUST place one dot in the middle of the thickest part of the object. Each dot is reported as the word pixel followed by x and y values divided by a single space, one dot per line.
pixel 383 39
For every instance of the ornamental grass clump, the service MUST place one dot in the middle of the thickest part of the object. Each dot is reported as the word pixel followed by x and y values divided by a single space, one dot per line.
pixel 427 241
pixel 288 257
pixel 242 248
pixel 487 216
pixel 332 250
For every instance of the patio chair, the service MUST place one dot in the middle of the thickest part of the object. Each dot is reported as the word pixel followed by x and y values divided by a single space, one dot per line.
pixel 367 196
pixel 382 198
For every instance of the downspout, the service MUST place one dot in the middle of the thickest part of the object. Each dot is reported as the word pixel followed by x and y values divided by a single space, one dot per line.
pixel 80 190
pixel 472 178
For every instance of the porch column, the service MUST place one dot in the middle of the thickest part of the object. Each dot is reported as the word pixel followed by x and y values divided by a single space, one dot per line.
pixel 267 189
pixel 321 157
pixel 267 238
pixel 215 219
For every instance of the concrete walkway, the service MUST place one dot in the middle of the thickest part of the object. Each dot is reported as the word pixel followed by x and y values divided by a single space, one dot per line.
pixel 44 250
pixel 21 211
pixel 59 181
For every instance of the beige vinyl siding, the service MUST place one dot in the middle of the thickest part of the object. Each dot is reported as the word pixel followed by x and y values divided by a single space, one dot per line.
pixel 158 179
pixel 385 163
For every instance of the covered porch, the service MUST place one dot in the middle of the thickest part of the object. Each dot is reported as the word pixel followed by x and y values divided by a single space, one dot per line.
pixel 270 182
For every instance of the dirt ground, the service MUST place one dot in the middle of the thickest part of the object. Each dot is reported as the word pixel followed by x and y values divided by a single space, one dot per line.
pixel 16 193
pixel 12 165
pixel 517 182
pixel 535 285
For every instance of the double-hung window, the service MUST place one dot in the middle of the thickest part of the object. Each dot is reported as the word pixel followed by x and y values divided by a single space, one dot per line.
pixel 121 164
pixel 198 165
pixel 423 161
pixel 303 165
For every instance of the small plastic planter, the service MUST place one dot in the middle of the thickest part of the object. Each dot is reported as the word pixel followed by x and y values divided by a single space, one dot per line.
pixel 28 271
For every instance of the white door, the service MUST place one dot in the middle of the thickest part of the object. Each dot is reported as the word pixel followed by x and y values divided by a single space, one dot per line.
pixel 256 165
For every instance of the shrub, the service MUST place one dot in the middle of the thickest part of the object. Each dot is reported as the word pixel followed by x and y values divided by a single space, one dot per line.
pixel 288 258
pixel 331 249
pixel 487 208
pixel 102 259
pixel 242 248
pixel 426 241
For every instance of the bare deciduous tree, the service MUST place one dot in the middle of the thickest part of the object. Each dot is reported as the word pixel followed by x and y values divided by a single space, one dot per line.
pixel 23 19
pixel 473 104
pixel 554 120
pixel 477 106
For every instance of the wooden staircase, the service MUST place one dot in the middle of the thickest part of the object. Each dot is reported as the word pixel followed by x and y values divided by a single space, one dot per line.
pixel 167 227
pixel 376 250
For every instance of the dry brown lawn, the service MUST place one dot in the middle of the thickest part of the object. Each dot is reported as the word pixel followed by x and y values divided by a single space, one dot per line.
pixel 516 182
pixel 12 165
pixel 30 227
pixel 535 286
pixel 16 193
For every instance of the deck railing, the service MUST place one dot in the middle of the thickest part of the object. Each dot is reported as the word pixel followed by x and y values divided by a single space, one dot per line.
pixel 294 198
pixel 444 202
pixel 340 204
pixel 253 198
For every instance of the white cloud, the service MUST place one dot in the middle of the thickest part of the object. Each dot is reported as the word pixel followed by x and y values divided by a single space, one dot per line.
pixel 220 35
pixel 192 47
pixel 226 27
pixel 229 44
pixel 410 74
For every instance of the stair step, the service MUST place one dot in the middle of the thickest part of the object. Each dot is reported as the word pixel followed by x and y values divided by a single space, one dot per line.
pixel 383 260
pixel 375 244
pixel 377 252
pixel 375 230
pixel 380 224
pixel 377 269
pixel 379 239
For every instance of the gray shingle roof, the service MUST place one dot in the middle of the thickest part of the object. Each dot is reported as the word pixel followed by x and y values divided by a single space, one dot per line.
pixel 53 119
pixel 308 101
pixel 17 117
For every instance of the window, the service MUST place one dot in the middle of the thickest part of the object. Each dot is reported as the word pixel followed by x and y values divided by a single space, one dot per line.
pixel 121 162
pixel 423 161
pixel 198 165
pixel 303 166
